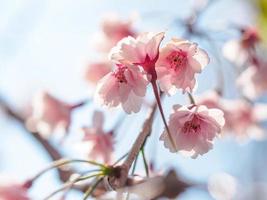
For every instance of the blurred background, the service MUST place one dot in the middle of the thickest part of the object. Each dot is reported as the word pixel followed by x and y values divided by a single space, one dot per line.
pixel 47 45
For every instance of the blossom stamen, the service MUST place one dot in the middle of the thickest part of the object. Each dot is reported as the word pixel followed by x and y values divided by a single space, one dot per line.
pixel 177 59
pixel 191 127
pixel 119 73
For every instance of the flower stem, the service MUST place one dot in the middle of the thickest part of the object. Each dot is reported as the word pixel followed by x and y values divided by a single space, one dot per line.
pixel 91 189
pixel 145 161
pixel 63 162
pixel 77 179
pixel 69 185
pixel 191 98
pixel 134 164
pixel 120 159
pixel 157 96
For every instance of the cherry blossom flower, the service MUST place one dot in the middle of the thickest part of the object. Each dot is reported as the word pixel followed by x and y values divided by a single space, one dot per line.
pixel 99 143
pixel 193 129
pixel 243 119
pixel 11 190
pixel 113 30
pixel 143 51
pixel 177 65
pixel 240 51
pixel 96 71
pixel 252 82
pixel 49 114
pixel 125 86
pixel 211 99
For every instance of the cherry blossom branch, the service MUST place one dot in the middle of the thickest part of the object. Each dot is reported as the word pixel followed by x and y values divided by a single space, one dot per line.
pixel 118 180
pixel 167 186
pixel 145 132
pixel 52 152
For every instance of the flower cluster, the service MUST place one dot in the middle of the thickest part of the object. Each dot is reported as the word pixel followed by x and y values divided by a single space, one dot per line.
pixel 140 61
pixel 244 53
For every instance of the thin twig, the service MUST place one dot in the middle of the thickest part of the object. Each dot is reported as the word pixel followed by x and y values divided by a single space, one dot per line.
pixel 92 188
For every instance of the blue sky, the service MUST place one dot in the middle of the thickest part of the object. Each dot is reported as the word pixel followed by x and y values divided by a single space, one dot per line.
pixel 46 45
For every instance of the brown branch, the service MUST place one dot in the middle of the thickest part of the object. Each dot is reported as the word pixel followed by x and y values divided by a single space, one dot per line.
pixel 158 187
pixel 54 154
pixel 168 186
pixel 119 179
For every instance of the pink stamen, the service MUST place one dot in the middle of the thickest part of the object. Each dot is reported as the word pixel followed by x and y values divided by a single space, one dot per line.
pixel 192 126
pixel 119 73
pixel 177 59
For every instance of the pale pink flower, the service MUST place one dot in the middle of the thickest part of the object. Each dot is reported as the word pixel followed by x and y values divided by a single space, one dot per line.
pixel 49 114
pixel 13 192
pixel 243 119
pixel 95 71
pixel 177 65
pixel 113 30
pixel 193 129
pixel 240 51
pixel 211 99
pixel 10 190
pixel 100 144
pixel 125 86
pixel 252 81
pixel 142 51
pixel 116 29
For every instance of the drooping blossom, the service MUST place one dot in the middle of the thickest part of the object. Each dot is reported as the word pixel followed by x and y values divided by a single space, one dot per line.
pixel 210 99
pixel 49 114
pixel 97 70
pixel 252 82
pixel 177 65
pixel 124 86
pixel 142 51
pixel 12 190
pixel 193 129
pixel 242 50
pixel 243 119
pixel 99 144
pixel 113 29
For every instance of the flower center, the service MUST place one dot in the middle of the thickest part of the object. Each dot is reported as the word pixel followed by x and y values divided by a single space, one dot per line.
pixel 177 59
pixel 250 38
pixel 192 126
pixel 119 73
